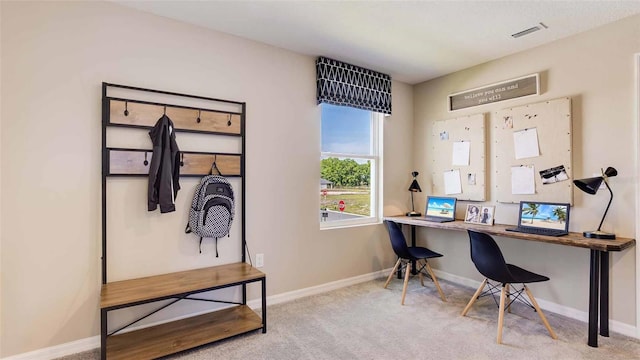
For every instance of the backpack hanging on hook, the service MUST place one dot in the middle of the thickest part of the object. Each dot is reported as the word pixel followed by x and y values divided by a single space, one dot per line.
pixel 212 209
pixel 214 166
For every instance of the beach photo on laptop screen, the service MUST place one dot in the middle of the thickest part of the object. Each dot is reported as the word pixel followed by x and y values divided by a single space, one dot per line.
pixel 442 207
pixel 544 215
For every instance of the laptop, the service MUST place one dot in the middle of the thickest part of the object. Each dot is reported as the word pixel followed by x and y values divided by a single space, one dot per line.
pixel 543 218
pixel 440 209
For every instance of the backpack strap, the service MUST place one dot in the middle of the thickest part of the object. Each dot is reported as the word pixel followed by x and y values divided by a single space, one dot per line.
pixel 215 166
pixel 200 247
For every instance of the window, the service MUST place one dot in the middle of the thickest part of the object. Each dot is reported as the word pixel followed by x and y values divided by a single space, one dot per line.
pixel 349 166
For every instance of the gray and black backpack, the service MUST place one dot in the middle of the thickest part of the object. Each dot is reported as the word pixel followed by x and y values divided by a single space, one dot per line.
pixel 212 209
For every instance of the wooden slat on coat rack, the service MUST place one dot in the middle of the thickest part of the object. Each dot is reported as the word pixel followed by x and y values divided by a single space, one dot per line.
pixel 131 162
pixel 200 164
pixel 144 114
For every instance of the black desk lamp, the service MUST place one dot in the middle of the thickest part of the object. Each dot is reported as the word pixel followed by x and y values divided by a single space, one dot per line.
pixel 591 186
pixel 414 187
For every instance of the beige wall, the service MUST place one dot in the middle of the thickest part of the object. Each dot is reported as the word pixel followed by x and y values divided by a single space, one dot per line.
pixel 54 58
pixel 595 69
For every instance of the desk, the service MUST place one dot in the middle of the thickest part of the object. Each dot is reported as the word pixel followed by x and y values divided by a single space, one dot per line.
pixel 599 265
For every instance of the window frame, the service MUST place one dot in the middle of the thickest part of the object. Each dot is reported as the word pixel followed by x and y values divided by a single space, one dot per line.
pixel 375 157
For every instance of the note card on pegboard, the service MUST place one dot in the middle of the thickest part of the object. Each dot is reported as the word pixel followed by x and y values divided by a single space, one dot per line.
pixel 533 152
pixel 458 158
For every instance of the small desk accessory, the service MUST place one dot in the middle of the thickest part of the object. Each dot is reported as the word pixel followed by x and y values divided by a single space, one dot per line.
pixel 591 186
pixel 482 215
pixel 414 187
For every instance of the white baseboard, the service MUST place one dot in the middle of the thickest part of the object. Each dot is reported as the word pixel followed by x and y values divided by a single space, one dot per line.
pixel 93 342
pixel 314 290
pixel 61 350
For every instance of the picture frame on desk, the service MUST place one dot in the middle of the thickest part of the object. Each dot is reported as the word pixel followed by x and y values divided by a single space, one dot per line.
pixel 472 215
pixel 486 215
pixel 477 214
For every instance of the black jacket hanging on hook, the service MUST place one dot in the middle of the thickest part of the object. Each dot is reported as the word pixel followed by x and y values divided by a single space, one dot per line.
pixel 164 172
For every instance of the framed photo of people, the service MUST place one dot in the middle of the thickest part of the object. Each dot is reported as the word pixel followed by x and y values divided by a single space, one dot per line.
pixel 477 214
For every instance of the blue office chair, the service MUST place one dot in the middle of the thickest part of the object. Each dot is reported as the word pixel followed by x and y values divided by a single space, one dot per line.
pixel 488 259
pixel 407 254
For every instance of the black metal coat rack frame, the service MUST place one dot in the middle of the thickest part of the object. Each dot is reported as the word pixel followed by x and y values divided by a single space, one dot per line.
pixel 175 336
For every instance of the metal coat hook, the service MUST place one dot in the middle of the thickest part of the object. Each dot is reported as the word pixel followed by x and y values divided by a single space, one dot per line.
pixel 165 110
pixel 145 159
pixel 126 112
pixel 229 121
pixel 181 159
pixel 198 119
pixel 215 166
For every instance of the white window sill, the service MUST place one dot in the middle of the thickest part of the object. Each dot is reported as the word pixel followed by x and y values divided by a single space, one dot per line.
pixel 341 224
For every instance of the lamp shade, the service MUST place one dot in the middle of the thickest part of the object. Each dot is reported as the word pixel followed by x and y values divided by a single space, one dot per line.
pixel 590 185
pixel 415 187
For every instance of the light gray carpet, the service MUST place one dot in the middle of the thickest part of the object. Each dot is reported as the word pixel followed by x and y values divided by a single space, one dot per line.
pixel 365 321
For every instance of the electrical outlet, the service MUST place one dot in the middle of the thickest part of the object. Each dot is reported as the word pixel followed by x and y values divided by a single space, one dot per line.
pixel 259 260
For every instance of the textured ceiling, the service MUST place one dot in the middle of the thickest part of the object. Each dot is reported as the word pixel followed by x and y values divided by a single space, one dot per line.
pixel 412 41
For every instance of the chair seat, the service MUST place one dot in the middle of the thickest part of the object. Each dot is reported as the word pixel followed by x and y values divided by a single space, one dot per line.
pixel 419 252
pixel 521 275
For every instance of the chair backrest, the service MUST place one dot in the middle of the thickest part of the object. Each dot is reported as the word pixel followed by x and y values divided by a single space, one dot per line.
pixel 398 242
pixel 487 257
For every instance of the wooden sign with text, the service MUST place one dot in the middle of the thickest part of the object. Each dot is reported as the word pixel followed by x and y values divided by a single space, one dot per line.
pixel 510 89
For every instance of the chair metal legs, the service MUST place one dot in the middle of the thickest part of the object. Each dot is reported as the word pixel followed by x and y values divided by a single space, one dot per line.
pixel 406 278
pixel 505 301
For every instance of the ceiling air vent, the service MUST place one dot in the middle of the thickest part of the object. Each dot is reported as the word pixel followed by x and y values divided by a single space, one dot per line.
pixel 528 31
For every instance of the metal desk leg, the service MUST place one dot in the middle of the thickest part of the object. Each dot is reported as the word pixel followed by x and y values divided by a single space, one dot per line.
pixel 413 262
pixel 594 278
pixel 264 305
pixel 604 293
pixel 413 243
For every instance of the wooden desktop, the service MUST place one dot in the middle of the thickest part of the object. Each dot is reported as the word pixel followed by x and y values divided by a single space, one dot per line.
pixel 599 264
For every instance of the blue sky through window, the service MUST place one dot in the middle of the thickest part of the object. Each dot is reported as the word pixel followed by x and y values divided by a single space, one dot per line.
pixel 345 130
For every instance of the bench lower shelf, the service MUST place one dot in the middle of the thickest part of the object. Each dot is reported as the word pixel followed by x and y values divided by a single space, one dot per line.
pixel 172 337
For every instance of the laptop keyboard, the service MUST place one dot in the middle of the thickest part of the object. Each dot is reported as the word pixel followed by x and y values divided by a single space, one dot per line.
pixel 436 219
pixel 539 231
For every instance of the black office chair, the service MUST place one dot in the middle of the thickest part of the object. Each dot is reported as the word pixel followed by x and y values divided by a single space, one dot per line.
pixel 488 259
pixel 407 254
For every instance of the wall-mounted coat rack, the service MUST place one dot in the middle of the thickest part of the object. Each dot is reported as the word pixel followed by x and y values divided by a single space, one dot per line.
pixel 160 340
pixel 136 162
pixel 138 113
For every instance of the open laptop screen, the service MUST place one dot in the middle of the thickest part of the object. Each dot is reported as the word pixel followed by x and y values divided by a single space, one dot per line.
pixel 544 215
pixel 441 207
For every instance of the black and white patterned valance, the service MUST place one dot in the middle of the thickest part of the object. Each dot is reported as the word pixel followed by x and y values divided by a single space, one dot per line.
pixel 340 83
